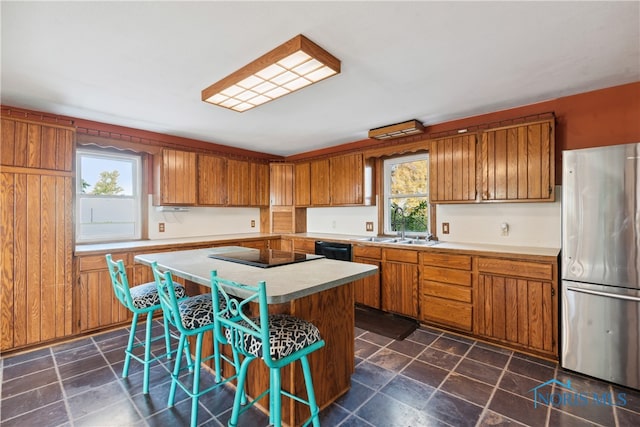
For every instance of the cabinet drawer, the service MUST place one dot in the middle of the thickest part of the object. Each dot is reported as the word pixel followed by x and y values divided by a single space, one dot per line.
pixel 460 262
pixel 442 290
pixel 98 262
pixel 367 252
pixel 446 312
pixel 528 269
pixel 447 275
pixel 401 255
pixel 304 245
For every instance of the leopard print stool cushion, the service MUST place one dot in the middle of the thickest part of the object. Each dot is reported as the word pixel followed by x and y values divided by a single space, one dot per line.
pixel 146 295
pixel 287 334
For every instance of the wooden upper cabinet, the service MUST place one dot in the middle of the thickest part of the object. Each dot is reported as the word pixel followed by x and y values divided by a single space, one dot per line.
pixel 312 183
pixel 175 178
pixel 518 162
pixel 229 182
pixel 347 179
pixel 258 184
pixel 35 145
pixel 281 184
pixel 212 180
pixel 303 184
pixel 319 184
pixel 452 169
pixel 238 182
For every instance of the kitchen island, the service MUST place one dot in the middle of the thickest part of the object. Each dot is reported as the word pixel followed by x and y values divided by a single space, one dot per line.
pixel 318 290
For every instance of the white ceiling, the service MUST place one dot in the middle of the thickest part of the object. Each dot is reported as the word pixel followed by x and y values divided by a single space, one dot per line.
pixel 143 64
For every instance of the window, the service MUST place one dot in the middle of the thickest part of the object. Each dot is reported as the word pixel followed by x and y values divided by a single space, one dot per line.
pixel 406 186
pixel 108 196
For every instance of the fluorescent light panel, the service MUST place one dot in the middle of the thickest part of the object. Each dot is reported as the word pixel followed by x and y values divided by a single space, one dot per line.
pixel 287 68
pixel 397 130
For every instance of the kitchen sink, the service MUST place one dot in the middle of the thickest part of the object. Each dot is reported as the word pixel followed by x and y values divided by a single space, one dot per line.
pixel 420 242
pixel 377 239
pixel 399 241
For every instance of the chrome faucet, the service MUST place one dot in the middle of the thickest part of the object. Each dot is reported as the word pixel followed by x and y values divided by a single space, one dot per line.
pixel 397 210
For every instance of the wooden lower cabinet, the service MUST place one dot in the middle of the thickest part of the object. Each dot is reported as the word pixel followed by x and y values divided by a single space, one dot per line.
pixel 516 303
pixel 36 247
pixel 95 303
pixel 306 246
pixel 400 282
pixel 446 290
pixel 367 291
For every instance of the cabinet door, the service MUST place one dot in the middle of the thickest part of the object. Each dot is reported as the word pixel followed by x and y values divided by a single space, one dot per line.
pixel 281 184
pixel 452 169
pixel 320 183
pixel 178 178
pixel 303 184
pixel 258 184
pixel 238 182
pixel 212 180
pixel 367 290
pixel 347 179
pixel 517 311
pixel 97 305
pixel 518 162
pixel 400 288
pixel 35 145
pixel 36 252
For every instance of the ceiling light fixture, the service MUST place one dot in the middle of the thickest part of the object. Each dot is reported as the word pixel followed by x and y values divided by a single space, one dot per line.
pixel 293 65
pixel 397 130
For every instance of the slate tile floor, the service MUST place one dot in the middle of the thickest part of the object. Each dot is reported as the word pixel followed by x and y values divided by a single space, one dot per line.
pixel 432 378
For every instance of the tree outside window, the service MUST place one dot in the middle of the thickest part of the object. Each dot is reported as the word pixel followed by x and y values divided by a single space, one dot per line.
pixel 407 187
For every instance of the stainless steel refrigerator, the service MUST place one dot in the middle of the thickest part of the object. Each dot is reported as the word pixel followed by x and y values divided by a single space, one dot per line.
pixel 601 263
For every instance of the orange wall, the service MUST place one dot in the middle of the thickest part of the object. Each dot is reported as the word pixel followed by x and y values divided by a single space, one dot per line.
pixel 602 117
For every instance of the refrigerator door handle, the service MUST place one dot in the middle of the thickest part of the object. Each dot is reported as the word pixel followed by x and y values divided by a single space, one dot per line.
pixel 604 294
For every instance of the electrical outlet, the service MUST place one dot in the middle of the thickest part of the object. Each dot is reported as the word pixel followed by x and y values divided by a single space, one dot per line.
pixel 505 228
pixel 161 227
pixel 253 223
pixel 369 226
pixel 445 228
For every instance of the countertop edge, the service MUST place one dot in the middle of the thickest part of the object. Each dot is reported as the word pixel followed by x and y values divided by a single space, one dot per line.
pixel 91 248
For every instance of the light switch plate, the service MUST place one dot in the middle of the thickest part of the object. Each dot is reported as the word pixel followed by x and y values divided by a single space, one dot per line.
pixel 369 226
pixel 445 228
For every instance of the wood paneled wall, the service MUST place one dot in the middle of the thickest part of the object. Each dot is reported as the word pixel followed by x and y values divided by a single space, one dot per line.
pixel 36 232
pixel 36 220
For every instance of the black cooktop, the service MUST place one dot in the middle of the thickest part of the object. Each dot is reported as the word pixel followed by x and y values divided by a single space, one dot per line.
pixel 264 258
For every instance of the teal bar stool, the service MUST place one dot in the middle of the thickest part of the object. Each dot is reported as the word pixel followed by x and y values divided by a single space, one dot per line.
pixel 278 339
pixel 140 300
pixel 192 317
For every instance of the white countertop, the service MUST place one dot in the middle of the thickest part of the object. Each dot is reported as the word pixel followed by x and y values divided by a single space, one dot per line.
pixel 474 247
pixel 216 239
pixel 150 244
pixel 284 283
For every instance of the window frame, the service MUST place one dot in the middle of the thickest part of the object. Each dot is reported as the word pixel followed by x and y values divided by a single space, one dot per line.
pixel 137 191
pixel 387 196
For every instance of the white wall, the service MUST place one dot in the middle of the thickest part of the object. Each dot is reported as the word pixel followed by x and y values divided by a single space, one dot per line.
pixel 345 220
pixel 202 221
pixel 530 224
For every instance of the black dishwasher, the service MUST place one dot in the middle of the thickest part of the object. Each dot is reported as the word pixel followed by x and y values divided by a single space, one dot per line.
pixel 333 250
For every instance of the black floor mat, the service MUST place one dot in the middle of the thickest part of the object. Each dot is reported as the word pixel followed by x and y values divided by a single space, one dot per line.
pixel 386 324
